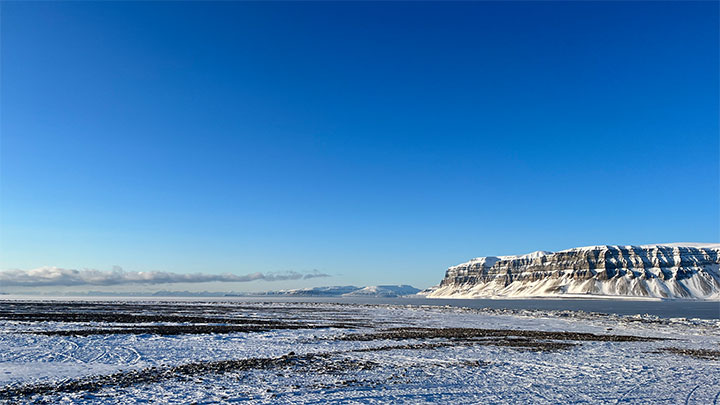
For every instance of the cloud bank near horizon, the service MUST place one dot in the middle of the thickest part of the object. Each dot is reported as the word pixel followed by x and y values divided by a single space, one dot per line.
pixel 55 276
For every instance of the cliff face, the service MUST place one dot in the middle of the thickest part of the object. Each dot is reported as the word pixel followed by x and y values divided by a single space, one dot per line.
pixel 656 271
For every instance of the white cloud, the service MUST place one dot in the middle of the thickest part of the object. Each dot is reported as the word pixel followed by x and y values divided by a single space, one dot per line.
pixel 55 276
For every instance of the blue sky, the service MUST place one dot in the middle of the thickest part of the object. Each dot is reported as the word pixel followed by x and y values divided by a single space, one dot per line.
pixel 376 142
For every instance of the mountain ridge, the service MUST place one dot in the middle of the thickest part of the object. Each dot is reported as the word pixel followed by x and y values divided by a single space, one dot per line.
pixel 664 271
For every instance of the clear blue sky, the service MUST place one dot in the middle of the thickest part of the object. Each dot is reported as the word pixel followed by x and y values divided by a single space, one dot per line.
pixel 378 142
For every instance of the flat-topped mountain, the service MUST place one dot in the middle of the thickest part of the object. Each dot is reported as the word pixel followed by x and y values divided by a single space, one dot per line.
pixel 675 270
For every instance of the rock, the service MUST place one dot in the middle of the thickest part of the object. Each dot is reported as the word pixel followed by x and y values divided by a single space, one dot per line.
pixel 652 271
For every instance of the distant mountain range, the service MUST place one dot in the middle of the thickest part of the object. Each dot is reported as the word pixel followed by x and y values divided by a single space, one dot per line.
pixel 675 270
pixel 352 291
pixel 335 291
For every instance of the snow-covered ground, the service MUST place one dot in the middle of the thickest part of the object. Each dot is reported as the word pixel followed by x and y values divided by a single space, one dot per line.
pixel 320 352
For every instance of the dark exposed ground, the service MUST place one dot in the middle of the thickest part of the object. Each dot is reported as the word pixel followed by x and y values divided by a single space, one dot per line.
pixel 174 313
pixel 123 318
pixel 697 353
pixel 157 309
pixel 519 344
pixel 473 333
pixel 218 319
pixel 169 330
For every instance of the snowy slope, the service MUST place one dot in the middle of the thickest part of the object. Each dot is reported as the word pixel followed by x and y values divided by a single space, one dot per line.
pixel 673 270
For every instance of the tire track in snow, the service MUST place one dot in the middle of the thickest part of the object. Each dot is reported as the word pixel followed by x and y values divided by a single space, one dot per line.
pixel 137 356
pixel 687 399
pixel 103 350
pixel 69 347
pixel 622 397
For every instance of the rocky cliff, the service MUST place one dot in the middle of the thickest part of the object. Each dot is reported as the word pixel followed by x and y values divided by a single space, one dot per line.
pixel 652 271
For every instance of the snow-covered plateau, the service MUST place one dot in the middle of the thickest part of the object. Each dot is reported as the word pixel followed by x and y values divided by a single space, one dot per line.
pixel 290 352
pixel 662 271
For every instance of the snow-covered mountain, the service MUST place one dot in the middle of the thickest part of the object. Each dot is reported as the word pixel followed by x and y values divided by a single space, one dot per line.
pixel 352 291
pixel 383 291
pixel 333 291
pixel 674 270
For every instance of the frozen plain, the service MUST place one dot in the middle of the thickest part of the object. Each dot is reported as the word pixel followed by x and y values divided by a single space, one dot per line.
pixel 285 352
